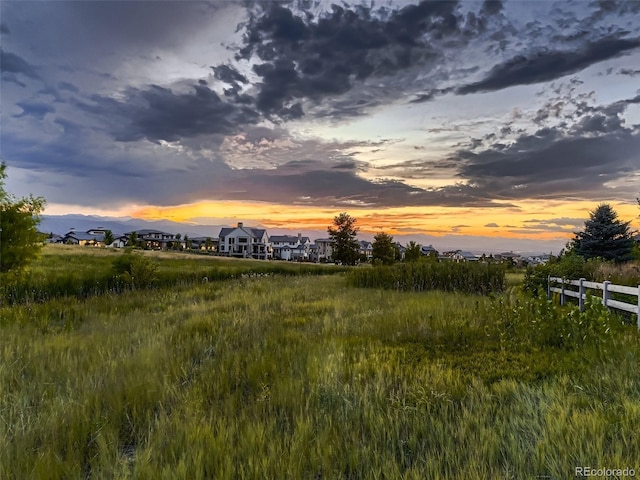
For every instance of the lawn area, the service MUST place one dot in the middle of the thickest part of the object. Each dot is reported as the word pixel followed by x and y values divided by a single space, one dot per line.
pixel 298 376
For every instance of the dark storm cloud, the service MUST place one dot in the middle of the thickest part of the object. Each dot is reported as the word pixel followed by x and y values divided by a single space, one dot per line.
pixel 312 58
pixel 12 63
pixel 491 7
pixel 311 183
pixel 158 113
pixel 4 29
pixel 554 165
pixel 544 66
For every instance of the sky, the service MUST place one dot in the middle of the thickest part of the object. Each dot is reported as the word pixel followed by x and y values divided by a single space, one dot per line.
pixel 490 119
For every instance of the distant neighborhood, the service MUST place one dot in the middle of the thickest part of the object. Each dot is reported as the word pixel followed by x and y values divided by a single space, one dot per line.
pixel 244 241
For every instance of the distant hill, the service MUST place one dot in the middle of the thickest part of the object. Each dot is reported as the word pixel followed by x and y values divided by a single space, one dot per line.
pixel 61 224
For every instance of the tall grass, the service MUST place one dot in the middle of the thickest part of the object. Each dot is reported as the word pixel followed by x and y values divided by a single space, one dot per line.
pixel 451 277
pixel 308 378
pixel 81 272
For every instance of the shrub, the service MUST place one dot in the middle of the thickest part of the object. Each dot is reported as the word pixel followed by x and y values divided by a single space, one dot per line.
pixel 135 270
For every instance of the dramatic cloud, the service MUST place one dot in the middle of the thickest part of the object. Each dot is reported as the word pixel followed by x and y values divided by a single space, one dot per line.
pixel 309 57
pixel 324 106
pixel 543 66
pixel 158 113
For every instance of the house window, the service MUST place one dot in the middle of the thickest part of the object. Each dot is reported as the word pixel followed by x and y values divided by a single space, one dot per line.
pixel 242 240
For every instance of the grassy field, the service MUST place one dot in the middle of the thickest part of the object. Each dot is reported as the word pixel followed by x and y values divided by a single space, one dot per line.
pixel 307 377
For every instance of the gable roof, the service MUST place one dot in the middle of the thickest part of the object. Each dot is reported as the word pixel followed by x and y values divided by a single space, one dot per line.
pixel 252 232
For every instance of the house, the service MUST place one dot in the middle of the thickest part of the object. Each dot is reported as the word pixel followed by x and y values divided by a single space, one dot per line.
pixel 324 249
pixel 427 250
pixel 538 259
pixel 154 239
pixel 313 252
pixel 83 238
pixel 119 241
pixel 365 249
pixel 508 257
pixel 244 242
pixel 53 238
pixel 290 247
pixel 463 256
pixel 203 243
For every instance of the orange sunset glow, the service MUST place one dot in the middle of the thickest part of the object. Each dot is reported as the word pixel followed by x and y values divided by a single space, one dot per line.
pixel 510 222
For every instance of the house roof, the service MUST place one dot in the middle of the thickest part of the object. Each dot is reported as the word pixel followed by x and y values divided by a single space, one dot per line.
pixel 283 238
pixel 85 236
pixel 147 231
pixel 288 238
pixel 253 232
pixel 466 254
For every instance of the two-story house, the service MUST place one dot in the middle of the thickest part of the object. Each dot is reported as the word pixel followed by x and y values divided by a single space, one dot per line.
pixel 154 239
pixel 244 242
pixel 365 249
pixel 324 249
pixel 84 238
pixel 290 247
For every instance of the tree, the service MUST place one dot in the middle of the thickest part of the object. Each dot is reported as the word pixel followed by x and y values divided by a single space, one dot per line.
pixel 132 241
pixel 412 253
pixel 108 237
pixel 187 242
pixel 343 238
pixel 604 236
pixel 20 241
pixel 208 244
pixel 384 250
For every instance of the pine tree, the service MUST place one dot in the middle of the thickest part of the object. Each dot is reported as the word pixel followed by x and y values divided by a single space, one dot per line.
pixel 604 236
pixel 344 243
pixel 108 237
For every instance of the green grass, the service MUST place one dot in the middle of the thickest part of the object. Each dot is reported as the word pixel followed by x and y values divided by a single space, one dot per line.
pixel 307 377
pixel 64 270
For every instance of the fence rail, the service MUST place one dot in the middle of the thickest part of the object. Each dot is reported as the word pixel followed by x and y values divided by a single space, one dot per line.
pixel 606 287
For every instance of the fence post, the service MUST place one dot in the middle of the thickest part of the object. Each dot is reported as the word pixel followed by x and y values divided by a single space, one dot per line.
pixel 605 292
pixel 639 308
pixel 582 295
pixel 548 287
pixel 562 294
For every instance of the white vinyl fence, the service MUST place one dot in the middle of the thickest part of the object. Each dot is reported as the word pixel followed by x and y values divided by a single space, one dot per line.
pixel 606 287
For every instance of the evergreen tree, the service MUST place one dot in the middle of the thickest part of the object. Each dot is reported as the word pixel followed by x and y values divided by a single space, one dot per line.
pixel 343 236
pixel 108 237
pixel 132 241
pixel 384 250
pixel 604 236
pixel 20 241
